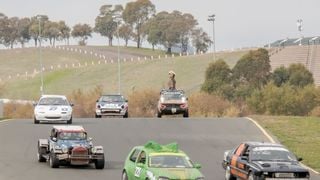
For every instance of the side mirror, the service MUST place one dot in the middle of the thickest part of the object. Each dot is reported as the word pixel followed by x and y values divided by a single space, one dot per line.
pixel 54 139
pixel 126 100
pixel 187 99
pixel 299 159
pixel 71 104
pixel 34 103
pixel 90 139
pixel 97 100
pixel 197 166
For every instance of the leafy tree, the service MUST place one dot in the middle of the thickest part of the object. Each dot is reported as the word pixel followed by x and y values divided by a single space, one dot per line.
pixel 11 33
pixel 64 31
pixel 200 40
pixel 253 69
pixel 34 32
pixel 106 23
pixel 125 32
pixel 280 76
pixel 82 31
pixel 153 31
pixel 23 30
pixel 218 79
pixel 136 14
pixel 299 75
pixel 51 31
pixel 4 21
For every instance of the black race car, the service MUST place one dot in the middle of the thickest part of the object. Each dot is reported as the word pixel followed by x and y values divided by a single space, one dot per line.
pixel 259 161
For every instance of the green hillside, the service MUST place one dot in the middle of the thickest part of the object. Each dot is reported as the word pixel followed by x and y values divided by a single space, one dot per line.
pixel 134 75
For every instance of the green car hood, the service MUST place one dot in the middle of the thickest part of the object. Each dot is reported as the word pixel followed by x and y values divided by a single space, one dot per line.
pixel 176 173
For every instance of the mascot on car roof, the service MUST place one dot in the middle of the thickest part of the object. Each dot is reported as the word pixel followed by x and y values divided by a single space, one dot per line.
pixel 172 81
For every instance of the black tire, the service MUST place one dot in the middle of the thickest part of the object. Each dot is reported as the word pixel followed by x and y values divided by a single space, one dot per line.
pixel 70 121
pixel 97 116
pixel 253 177
pixel 228 175
pixel 36 121
pixel 126 115
pixel 186 114
pixel 41 152
pixel 99 163
pixel 53 161
pixel 124 176
pixel 159 114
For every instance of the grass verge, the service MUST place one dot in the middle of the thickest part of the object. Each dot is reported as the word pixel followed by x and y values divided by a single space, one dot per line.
pixel 300 134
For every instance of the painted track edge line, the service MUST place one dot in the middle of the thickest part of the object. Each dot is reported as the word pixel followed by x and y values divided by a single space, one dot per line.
pixel 5 120
pixel 273 141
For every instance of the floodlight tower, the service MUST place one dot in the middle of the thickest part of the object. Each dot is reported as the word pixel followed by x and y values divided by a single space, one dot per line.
pixel 300 28
pixel 212 18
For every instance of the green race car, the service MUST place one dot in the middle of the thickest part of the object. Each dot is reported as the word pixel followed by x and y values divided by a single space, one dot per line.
pixel 160 162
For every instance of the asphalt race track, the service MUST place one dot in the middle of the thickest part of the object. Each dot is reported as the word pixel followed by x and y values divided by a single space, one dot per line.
pixel 204 140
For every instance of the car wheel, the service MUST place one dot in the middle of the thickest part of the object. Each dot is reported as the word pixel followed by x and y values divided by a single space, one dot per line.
pixel 99 163
pixel 70 121
pixel 159 114
pixel 228 175
pixel 41 151
pixel 252 176
pixel 186 114
pixel 53 161
pixel 126 115
pixel 97 116
pixel 36 121
pixel 125 176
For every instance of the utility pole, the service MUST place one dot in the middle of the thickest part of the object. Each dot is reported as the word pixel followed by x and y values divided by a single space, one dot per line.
pixel 212 18
pixel 39 17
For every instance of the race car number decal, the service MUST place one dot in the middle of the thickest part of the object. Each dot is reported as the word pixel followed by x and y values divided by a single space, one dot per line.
pixel 137 172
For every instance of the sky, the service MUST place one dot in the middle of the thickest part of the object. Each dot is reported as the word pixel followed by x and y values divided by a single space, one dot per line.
pixel 239 23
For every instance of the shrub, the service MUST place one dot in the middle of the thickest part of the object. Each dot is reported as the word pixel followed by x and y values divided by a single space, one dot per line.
pixel 143 103
pixel 206 105
pixel 15 110
pixel 85 102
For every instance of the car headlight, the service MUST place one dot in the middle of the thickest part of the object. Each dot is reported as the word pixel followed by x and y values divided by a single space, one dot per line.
pixel 64 149
pixel 163 178
pixel 64 109
pixel 93 150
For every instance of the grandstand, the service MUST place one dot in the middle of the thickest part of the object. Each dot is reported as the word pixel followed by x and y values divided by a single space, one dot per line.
pixel 300 50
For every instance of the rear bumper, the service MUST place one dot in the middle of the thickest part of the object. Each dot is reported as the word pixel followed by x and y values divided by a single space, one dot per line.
pixel 79 160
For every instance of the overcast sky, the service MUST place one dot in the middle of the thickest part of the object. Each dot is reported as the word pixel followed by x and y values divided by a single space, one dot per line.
pixel 239 23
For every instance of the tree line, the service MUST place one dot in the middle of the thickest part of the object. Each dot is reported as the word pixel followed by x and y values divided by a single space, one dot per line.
pixel 137 21
pixel 252 85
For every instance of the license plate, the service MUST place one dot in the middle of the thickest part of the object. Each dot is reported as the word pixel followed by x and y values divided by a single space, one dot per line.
pixel 173 110
pixel 284 175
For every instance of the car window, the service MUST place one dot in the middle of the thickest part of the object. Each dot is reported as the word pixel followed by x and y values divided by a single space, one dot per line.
pixel 114 98
pixel 170 161
pixel 134 155
pixel 53 101
pixel 142 158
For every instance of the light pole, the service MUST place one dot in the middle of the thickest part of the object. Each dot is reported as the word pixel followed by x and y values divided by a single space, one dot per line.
pixel 299 25
pixel 119 65
pixel 212 18
pixel 39 17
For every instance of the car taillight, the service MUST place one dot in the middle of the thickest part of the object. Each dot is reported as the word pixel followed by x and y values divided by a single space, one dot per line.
pixel 163 106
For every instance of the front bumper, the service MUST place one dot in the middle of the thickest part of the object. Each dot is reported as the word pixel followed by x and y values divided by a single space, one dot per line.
pixel 173 110
pixel 53 117
pixel 111 112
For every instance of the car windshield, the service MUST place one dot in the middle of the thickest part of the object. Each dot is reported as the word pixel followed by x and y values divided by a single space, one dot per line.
pixel 112 98
pixel 53 101
pixel 72 136
pixel 170 161
pixel 271 154
pixel 173 96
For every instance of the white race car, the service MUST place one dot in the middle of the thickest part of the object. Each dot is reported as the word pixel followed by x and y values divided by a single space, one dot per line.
pixel 52 108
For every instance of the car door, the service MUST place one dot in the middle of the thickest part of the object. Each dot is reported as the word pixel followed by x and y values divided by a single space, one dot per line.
pixel 141 166
pixel 131 163
pixel 237 165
